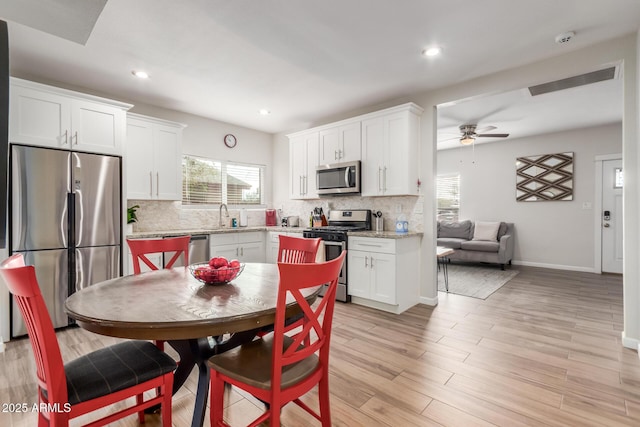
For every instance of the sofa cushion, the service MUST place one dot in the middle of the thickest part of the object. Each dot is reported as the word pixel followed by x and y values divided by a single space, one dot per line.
pixel 455 229
pixel 486 231
pixel 450 242
pixel 480 245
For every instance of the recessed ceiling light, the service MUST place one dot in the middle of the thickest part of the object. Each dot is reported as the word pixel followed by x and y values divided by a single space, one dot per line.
pixel 432 51
pixel 264 112
pixel 140 74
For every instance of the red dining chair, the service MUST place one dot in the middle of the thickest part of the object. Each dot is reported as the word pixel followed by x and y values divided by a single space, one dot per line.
pixel 297 250
pixel 294 250
pixel 141 247
pixel 92 381
pixel 277 368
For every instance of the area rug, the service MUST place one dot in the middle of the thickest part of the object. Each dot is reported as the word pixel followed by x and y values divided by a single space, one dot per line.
pixel 475 281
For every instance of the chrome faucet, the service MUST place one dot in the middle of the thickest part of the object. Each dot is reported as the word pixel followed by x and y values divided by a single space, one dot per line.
pixel 220 224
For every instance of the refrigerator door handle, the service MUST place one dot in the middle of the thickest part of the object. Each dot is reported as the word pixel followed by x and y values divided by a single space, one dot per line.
pixel 71 227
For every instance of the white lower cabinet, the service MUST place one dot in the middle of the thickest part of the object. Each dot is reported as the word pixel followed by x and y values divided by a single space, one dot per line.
pixel 243 246
pixel 384 273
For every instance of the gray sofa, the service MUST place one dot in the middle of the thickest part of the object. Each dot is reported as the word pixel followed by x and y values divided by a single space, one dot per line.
pixel 459 236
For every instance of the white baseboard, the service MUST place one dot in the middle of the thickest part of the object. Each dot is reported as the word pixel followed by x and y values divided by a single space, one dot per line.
pixel 631 343
pixel 429 301
pixel 555 266
pixel 2 346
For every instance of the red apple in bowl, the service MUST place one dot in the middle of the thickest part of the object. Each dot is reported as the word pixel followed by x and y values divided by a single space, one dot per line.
pixel 234 263
pixel 217 262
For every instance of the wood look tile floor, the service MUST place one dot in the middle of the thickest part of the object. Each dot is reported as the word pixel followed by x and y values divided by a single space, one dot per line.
pixel 543 350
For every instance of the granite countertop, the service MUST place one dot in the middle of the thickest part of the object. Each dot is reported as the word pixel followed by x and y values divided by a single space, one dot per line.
pixel 195 232
pixel 385 234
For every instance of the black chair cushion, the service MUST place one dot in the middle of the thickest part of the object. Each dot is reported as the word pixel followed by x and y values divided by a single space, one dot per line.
pixel 114 368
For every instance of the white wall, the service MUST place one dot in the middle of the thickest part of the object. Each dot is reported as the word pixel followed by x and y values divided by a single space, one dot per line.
pixel 548 234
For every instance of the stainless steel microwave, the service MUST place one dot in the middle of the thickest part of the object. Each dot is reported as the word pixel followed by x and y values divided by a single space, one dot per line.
pixel 338 178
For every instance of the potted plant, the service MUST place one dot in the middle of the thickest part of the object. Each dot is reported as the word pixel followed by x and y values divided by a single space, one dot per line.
pixel 131 217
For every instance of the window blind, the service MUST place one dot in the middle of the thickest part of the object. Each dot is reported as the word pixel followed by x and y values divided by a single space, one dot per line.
pixel 448 195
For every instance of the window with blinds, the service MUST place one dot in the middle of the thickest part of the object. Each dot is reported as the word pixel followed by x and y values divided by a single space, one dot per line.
pixel 448 195
pixel 212 182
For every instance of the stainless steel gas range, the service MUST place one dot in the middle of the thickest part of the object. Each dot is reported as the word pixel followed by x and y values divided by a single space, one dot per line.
pixel 335 238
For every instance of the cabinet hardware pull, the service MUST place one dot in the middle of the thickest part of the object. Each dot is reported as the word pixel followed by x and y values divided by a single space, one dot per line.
pixel 66 137
pixel 384 187
pixel 237 252
pixel 150 184
pixel 379 174
pixel 365 261
pixel 242 251
pixel 339 154
pixel 371 263
pixel 75 135
pixel 335 154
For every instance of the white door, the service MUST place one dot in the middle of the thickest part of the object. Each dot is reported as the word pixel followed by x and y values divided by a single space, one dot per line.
pixel 612 216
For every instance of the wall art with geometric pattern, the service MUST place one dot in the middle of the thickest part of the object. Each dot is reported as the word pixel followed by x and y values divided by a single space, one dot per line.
pixel 544 177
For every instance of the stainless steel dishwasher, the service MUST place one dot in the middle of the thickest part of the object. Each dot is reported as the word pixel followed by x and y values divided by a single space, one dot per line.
pixel 198 251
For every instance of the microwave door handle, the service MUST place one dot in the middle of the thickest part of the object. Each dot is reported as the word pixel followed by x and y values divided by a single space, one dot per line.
pixel 346 177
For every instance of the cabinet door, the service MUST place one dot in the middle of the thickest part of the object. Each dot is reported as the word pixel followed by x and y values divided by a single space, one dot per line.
pixel 339 144
pixel 39 118
pixel 298 167
pixel 358 274
pixel 228 251
pixel 349 150
pixel 167 163
pixel 372 161
pixel 383 278
pixel 96 127
pixel 396 170
pixel 328 146
pixel 310 187
pixel 303 159
pixel 252 252
pixel 139 160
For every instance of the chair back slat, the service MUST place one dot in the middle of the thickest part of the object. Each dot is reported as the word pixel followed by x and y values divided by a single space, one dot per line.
pixel 141 247
pixel 297 250
pixel 314 334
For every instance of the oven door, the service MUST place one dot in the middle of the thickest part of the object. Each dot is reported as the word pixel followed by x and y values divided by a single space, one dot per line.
pixel 333 250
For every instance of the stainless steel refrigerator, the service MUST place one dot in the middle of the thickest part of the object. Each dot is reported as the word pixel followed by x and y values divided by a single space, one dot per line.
pixel 66 219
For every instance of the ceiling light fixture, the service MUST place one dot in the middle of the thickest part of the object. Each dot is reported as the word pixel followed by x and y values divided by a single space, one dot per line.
pixel 264 112
pixel 467 140
pixel 432 51
pixel 140 74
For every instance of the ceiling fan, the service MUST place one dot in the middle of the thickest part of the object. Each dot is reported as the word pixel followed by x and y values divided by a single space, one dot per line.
pixel 470 133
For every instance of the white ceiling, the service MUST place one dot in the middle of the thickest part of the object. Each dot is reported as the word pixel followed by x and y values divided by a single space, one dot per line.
pixel 308 60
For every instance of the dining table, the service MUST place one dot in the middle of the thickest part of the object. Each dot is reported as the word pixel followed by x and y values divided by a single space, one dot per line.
pixel 193 317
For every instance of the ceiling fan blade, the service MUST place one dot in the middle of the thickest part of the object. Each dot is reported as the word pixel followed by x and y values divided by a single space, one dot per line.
pixel 486 129
pixel 492 135
pixel 449 139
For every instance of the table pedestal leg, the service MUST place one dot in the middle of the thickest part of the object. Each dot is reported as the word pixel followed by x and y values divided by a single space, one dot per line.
pixel 196 352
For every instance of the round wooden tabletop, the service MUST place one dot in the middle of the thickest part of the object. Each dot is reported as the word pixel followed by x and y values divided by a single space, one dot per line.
pixel 173 305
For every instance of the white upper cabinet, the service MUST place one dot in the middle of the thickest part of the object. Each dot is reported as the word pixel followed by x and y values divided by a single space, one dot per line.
pixel 303 160
pixel 390 151
pixel 153 158
pixel 340 144
pixel 51 117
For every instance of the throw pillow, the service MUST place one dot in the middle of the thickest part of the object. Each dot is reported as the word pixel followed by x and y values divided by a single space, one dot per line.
pixel 455 229
pixel 487 231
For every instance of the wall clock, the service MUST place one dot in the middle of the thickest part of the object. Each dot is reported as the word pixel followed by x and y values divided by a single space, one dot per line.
pixel 230 140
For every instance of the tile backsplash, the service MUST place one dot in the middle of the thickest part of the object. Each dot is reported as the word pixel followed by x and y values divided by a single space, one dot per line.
pixel 170 215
